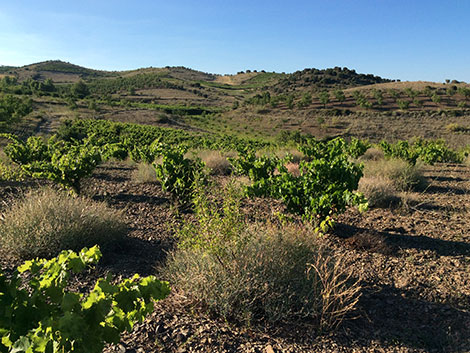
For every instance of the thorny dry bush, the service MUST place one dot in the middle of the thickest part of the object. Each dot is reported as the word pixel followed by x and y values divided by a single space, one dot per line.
pixel 255 273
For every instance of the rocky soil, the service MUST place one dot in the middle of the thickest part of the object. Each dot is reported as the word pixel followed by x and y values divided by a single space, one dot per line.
pixel 413 261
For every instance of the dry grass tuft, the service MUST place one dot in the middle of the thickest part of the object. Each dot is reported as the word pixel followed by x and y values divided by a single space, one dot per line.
pixel 379 191
pixel 293 168
pixel 144 173
pixel 216 162
pixel 45 221
pixel 272 274
pixel 339 291
pixel 404 176
pixel 372 154
pixel 386 182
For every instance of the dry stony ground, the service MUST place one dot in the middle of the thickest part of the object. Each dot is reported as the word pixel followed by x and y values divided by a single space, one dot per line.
pixel 414 262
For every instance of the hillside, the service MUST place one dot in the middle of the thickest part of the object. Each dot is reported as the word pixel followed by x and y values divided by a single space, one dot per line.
pixel 56 70
pixel 258 104
pixel 328 79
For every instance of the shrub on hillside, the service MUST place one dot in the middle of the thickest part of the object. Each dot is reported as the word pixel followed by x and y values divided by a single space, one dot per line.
pixel 323 187
pixel 178 174
pixel 44 222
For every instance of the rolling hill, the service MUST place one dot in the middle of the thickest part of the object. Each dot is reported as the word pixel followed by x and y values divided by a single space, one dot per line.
pixel 260 104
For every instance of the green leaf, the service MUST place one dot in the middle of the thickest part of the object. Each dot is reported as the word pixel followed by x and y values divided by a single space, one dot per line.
pixel 23 344
pixel 69 301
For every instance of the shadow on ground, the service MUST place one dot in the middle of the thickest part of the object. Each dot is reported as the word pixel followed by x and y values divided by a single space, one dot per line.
pixel 398 239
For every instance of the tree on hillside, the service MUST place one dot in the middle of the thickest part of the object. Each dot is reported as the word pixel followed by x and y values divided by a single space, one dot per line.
pixel 290 101
pixel 339 94
pixel 436 98
pixel 403 104
pixel 48 86
pixel 464 91
pixel 80 89
pixel 378 95
pixel 428 91
pixel 394 93
pixel 410 92
pixel 305 101
pixel 451 90
pixel 324 98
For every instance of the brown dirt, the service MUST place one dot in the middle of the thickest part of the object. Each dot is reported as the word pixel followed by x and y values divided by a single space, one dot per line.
pixel 414 262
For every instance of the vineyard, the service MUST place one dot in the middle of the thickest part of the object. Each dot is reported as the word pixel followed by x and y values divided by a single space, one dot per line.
pixel 191 231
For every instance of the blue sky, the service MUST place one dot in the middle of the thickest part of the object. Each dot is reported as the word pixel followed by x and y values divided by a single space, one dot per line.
pixel 408 40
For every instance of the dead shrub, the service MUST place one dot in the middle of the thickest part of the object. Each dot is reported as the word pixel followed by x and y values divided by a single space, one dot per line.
pixel 293 168
pixel 46 221
pixel 404 176
pixel 339 291
pixel 144 173
pixel 370 241
pixel 259 273
pixel 372 154
pixel 379 191
pixel 216 162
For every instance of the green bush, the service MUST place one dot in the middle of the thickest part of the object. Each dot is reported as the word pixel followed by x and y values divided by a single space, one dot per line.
pixel 437 151
pixel 9 172
pixel 178 174
pixel 339 94
pixel 62 162
pixel 45 222
pixel 324 187
pixel 403 104
pixel 378 95
pixel 401 150
pixel 12 109
pixel 324 98
pixel 38 313
pixel 428 151
pixel 436 98
pixel 356 148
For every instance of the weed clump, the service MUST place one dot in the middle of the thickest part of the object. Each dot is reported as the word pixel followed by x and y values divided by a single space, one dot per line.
pixel 387 182
pixel 44 222
pixel 402 175
pixel 216 162
pixel 379 191
pixel 144 173
pixel 254 273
